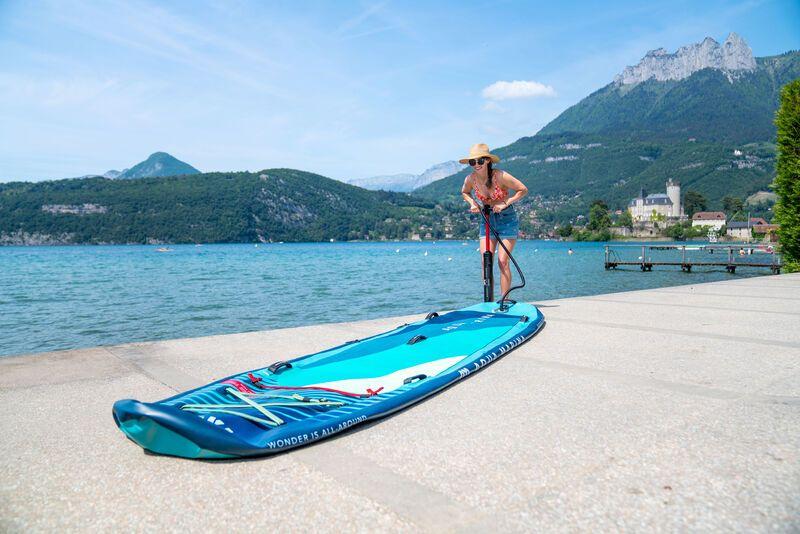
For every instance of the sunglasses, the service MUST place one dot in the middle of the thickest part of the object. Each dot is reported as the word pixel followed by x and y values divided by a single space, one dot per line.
pixel 479 161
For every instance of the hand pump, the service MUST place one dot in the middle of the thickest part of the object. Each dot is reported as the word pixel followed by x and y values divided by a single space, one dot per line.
pixel 488 271
pixel 488 275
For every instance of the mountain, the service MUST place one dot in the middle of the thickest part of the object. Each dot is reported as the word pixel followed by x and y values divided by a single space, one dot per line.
pixel 408 182
pixel 702 116
pixel 113 174
pixel 437 172
pixel 273 205
pixel 733 55
pixel 158 164
pixel 689 94
pixel 387 182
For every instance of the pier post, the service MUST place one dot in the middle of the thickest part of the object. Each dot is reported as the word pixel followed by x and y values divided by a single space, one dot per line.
pixel 730 268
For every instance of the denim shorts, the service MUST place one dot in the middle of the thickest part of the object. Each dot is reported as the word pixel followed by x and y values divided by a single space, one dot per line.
pixel 505 223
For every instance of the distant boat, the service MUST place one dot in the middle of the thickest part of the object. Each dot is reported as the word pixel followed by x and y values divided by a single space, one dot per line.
pixel 163 249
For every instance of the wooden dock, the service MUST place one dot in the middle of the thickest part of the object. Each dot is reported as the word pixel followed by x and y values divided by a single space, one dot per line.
pixel 735 256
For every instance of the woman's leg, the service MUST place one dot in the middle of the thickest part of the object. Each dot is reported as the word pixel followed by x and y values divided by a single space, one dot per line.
pixel 505 266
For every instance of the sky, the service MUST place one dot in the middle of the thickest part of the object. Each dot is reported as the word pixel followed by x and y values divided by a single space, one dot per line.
pixel 344 89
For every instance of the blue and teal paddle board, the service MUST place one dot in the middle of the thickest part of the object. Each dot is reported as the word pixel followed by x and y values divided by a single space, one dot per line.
pixel 293 403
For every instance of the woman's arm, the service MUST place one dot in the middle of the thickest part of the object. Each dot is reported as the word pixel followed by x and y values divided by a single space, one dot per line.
pixel 507 180
pixel 466 194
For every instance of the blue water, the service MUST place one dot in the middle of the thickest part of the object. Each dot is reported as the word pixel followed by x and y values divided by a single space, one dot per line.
pixel 55 298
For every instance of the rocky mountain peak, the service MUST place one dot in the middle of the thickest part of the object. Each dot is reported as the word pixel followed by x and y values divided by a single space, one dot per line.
pixel 732 55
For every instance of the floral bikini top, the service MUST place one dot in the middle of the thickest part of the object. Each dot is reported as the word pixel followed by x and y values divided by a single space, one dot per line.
pixel 497 193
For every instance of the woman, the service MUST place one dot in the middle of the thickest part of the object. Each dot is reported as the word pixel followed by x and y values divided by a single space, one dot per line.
pixel 492 187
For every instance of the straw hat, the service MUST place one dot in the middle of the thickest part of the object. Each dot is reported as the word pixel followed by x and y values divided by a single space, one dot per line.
pixel 479 150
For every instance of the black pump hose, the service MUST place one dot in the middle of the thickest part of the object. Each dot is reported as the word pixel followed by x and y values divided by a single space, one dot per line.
pixel 500 242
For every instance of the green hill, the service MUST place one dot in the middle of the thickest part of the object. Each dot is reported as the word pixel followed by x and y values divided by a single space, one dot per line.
pixel 273 205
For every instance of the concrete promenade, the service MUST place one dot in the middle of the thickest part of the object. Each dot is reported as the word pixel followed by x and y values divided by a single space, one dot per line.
pixel 661 410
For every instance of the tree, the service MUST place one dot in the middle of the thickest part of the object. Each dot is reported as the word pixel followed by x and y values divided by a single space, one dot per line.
pixel 693 202
pixel 599 219
pixel 625 220
pixel 564 231
pixel 787 180
pixel 730 205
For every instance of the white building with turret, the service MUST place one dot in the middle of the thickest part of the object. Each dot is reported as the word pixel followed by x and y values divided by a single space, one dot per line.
pixel 658 206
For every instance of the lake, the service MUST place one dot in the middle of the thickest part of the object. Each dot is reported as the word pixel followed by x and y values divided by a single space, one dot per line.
pixel 55 298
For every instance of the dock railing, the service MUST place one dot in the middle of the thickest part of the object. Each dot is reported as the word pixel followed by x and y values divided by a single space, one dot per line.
pixel 735 256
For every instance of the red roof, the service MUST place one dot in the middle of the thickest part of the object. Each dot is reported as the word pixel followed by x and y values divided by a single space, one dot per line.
pixel 764 228
pixel 708 216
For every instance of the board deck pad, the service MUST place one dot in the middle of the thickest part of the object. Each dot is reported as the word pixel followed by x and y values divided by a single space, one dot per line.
pixel 293 403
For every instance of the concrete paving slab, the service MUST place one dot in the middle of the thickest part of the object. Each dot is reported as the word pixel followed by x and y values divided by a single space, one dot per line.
pixel 668 409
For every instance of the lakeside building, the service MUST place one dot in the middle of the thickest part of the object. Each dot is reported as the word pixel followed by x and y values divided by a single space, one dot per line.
pixel 658 206
pixel 654 212
pixel 709 219
pixel 743 230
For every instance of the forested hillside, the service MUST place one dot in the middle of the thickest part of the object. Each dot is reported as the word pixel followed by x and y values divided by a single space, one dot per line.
pixel 272 205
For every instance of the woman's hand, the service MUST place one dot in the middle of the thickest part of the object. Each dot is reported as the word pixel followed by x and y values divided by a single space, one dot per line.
pixel 474 208
pixel 500 206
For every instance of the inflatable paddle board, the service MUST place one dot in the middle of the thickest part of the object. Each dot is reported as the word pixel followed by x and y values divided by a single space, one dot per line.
pixel 296 402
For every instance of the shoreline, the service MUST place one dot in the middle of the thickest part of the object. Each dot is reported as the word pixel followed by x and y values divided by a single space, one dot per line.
pixel 444 240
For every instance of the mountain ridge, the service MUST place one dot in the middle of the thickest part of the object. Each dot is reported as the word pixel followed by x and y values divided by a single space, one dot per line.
pixel 270 205
pixel 405 182
pixel 733 55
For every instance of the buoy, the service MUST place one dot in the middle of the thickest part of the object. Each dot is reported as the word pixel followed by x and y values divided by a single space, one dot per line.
pixel 398 250
pixel 449 259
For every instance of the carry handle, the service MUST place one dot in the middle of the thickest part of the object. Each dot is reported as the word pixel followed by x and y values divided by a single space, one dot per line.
pixel 275 367
pixel 416 339
pixel 413 378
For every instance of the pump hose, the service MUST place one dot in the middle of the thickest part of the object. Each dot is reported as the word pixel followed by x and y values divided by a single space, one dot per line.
pixel 500 242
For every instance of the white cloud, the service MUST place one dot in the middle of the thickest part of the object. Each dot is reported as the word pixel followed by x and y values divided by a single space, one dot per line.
pixel 517 89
